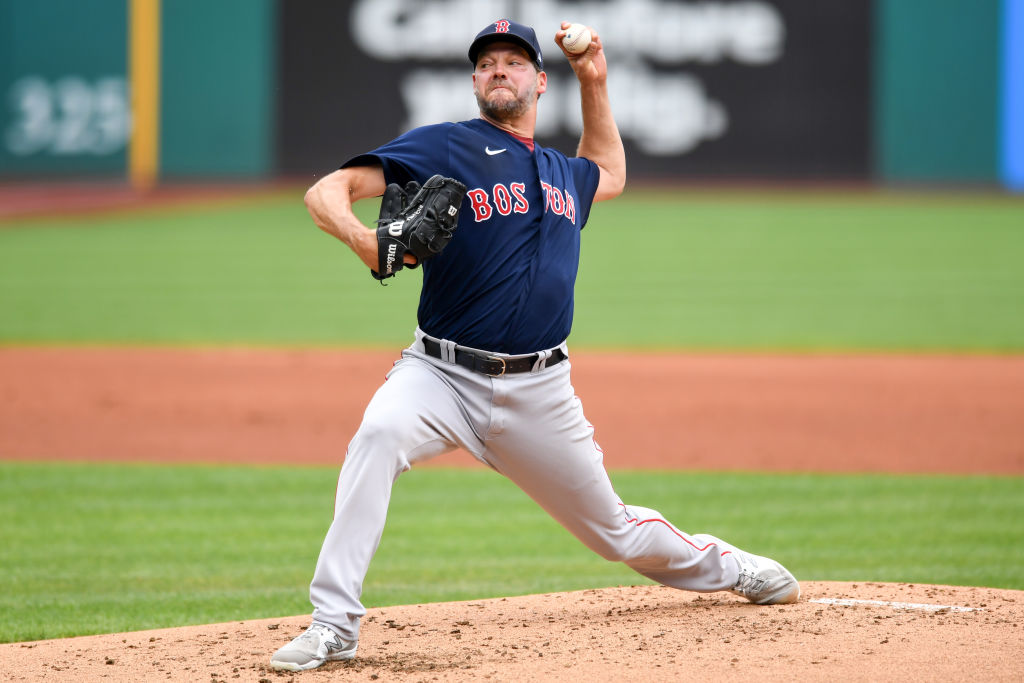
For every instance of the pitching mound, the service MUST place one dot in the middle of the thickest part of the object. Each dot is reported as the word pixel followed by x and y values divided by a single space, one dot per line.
pixel 839 631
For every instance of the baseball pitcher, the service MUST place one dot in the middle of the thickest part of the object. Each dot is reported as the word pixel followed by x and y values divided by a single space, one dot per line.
pixel 494 220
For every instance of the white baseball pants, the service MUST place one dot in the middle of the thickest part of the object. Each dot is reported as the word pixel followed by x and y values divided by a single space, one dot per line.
pixel 529 427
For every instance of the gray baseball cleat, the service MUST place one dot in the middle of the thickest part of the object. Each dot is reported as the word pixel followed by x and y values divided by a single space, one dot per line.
pixel 764 581
pixel 317 645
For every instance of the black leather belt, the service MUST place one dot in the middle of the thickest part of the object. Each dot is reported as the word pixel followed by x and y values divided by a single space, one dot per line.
pixel 495 366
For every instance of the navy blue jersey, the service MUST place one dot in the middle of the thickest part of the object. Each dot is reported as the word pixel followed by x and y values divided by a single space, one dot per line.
pixel 505 282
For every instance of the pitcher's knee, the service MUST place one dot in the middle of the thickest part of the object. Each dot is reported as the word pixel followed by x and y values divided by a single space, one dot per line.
pixel 381 441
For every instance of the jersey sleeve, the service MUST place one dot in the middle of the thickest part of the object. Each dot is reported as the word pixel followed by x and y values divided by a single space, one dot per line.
pixel 415 155
pixel 585 175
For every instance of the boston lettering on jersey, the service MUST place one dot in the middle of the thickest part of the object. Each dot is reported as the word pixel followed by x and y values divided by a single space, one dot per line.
pixel 505 282
pixel 508 199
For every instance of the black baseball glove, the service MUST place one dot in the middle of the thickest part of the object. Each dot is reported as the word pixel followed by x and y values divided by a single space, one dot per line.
pixel 419 220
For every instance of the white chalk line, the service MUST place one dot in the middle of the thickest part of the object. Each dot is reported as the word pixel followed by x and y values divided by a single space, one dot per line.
pixel 845 602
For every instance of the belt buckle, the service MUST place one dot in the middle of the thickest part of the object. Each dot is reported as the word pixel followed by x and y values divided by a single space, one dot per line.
pixel 504 366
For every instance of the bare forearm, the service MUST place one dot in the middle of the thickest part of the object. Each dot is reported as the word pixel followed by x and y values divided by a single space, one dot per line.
pixel 330 201
pixel 600 141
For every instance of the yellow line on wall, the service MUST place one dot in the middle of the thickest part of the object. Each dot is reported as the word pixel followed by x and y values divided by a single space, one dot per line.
pixel 144 74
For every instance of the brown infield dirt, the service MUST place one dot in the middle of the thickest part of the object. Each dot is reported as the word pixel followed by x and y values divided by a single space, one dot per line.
pixel 911 414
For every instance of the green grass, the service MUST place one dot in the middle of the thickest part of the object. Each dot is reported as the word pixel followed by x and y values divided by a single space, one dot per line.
pixel 107 548
pixel 258 273
pixel 797 271
pixel 722 270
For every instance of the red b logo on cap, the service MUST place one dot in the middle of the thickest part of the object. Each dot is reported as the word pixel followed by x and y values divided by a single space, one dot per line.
pixel 501 26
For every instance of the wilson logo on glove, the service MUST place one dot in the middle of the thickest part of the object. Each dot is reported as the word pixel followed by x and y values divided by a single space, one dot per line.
pixel 390 261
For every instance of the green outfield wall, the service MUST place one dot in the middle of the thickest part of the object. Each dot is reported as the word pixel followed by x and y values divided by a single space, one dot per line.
pixel 937 90
pixel 66 101
pixel 218 80
pixel 62 87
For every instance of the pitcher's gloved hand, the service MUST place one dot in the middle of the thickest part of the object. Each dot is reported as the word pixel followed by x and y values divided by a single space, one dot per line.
pixel 419 220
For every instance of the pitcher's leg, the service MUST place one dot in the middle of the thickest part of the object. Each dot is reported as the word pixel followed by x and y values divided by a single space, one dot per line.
pixel 415 415
pixel 364 492
pixel 587 506
pixel 548 450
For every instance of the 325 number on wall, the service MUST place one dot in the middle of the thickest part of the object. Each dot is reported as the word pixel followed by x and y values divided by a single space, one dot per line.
pixel 67 116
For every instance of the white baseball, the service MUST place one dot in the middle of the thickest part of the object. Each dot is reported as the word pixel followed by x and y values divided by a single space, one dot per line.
pixel 577 39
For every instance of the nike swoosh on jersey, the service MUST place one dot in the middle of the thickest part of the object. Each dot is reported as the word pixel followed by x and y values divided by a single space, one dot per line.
pixel 492 152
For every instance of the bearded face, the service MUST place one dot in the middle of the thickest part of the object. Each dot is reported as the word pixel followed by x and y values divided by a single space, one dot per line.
pixel 503 101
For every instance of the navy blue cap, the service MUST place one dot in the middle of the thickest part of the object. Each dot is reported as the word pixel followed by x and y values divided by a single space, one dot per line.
pixel 504 30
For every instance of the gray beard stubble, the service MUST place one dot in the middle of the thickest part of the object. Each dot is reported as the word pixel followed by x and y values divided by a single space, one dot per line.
pixel 506 109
